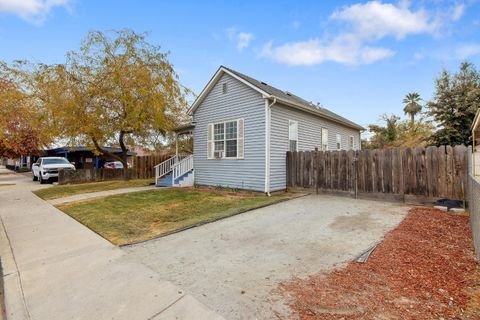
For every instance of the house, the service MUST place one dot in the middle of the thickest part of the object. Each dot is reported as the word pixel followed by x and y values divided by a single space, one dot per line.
pixel 476 145
pixel 85 158
pixel 243 127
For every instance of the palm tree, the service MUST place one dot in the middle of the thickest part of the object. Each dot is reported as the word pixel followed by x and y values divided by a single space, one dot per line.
pixel 412 106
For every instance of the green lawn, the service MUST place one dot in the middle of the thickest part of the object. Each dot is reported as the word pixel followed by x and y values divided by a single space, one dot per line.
pixel 60 191
pixel 139 216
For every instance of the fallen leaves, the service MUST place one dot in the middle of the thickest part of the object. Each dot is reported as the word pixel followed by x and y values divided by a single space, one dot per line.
pixel 424 269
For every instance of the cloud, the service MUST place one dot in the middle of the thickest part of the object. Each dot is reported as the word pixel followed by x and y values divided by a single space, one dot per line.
pixel 467 50
pixel 458 11
pixel 34 11
pixel 241 39
pixel 360 26
pixel 313 52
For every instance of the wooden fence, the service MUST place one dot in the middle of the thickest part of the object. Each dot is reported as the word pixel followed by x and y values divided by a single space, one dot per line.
pixel 425 173
pixel 142 168
pixel 144 165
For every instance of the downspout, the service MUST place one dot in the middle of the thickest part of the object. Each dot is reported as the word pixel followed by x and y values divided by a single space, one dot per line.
pixel 267 143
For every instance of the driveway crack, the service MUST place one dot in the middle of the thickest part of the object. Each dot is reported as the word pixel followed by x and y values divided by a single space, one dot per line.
pixel 166 308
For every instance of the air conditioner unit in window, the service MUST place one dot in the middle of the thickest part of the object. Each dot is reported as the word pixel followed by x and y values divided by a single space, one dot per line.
pixel 218 154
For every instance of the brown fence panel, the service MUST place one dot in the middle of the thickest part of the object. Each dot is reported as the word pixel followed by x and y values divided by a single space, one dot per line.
pixel 433 172
pixel 142 168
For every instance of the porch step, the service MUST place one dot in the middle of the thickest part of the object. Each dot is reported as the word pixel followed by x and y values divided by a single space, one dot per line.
pixel 180 181
pixel 165 181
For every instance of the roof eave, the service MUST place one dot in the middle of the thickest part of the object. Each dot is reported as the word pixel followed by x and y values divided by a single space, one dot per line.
pixel 213 81
pixel 301 107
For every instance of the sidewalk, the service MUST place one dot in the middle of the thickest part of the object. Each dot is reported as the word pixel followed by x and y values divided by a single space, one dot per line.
pixel 85 196
pixel 55 268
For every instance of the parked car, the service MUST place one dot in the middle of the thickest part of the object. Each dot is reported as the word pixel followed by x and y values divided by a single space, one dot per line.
pixel 114 165
pixel 46 168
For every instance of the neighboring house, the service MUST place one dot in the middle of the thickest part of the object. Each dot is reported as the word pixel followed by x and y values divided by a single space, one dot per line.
pixel 476 145
pixel 243 128
pixel 81 157
pixel 85 158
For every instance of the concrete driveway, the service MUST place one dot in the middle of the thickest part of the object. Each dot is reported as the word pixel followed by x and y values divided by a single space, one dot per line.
pixel 233 266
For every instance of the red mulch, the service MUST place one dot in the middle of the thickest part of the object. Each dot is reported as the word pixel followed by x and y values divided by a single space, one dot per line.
pixel 424 269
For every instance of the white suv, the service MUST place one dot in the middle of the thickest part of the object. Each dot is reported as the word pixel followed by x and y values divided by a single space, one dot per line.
pixel 47 168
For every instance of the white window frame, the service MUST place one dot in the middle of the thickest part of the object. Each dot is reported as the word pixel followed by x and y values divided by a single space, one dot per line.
pixel 238 138
pixel 352 140
pixel 295 135
pixel 324 139
pixel 338 141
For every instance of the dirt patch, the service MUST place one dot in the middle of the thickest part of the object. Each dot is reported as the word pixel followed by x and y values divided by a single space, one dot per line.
pixel 424 269
pixel 361 221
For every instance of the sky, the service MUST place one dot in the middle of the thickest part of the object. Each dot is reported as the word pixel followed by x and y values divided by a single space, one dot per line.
pixel 356 58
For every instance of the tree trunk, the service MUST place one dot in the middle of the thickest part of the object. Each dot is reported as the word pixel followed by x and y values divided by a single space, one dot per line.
pixel 126 173
pixel 122 158
pixel 124 148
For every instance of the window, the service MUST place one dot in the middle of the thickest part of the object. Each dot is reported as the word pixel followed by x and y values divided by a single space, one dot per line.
pixel 225 139
pixel 55 161
pixel 231 139
pixel 224 88
pixel 324 139
pixel 339 142
pixel 350 143
pixel 292 135
pixel 219 137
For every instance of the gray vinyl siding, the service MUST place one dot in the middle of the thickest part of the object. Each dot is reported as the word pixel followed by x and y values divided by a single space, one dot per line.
pixel 240 101
pixel 309 137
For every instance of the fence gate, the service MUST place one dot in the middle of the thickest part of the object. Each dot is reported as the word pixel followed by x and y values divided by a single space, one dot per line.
pixel 424 173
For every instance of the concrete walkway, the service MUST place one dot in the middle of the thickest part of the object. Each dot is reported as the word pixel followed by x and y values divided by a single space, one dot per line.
pixel 235 265
pixel 55 268
pixel 91 195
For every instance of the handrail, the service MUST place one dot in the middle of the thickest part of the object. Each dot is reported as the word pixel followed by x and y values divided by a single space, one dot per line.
pixel 166 166
pixel 182 167
pixel 163 168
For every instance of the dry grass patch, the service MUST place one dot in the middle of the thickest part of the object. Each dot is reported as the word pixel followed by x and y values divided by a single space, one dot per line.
pixel 135 217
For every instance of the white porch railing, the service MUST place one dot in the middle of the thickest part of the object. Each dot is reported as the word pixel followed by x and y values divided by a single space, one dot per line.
pixel 182 167
pixel 166 166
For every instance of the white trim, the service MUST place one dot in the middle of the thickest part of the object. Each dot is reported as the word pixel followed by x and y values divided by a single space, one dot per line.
pixel 289 137
pixel 267 145
pixel 476 120
pixel 213 81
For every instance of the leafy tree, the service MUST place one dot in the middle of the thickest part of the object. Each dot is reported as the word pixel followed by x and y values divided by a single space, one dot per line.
pixel 117 91
pixel 412 136
pixel 20 132
pixel 453 107
pixel 412 106
pixel 384 136
pixel 399 133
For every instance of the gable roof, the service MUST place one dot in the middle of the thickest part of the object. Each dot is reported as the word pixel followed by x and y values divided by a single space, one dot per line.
pixel 270 92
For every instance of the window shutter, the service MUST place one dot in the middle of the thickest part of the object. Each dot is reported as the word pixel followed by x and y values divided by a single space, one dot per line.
pixel 240 139
pixel 210 142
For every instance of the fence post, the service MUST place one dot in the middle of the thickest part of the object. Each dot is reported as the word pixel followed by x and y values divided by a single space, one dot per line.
pixel 355 173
